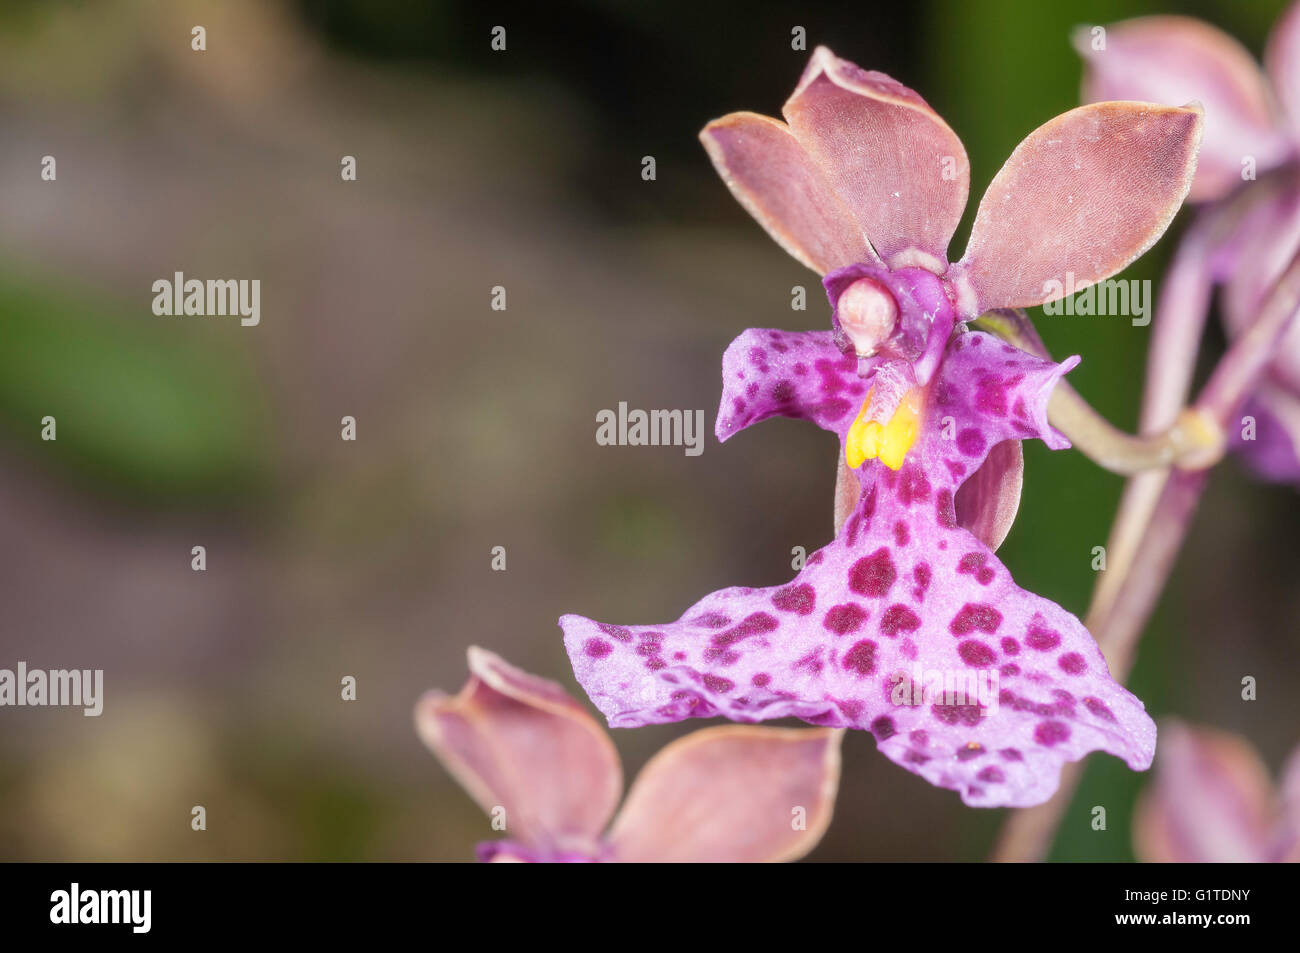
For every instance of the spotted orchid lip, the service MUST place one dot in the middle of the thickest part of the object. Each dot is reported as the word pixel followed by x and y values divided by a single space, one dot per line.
pixel 903 591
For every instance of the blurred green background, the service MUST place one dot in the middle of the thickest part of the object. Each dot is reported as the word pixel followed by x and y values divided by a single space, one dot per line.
pixel 475 427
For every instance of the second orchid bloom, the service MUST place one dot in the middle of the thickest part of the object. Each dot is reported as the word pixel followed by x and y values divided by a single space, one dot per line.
pixel 865 184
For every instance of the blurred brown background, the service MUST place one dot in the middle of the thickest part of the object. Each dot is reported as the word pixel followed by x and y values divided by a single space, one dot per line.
pixel 475 427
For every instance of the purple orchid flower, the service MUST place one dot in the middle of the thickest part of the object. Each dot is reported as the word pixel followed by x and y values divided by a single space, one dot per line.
pixel 531 756
pixel 1247 233
pixel 1213 802
pixel 866 184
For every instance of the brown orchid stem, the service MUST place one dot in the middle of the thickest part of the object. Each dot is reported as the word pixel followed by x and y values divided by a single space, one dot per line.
pixel 1152 537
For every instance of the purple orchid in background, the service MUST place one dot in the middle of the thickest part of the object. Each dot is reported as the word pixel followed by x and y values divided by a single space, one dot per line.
pixel 1213 802
pixel 519 744
pixel 865 184
pixel 1249 230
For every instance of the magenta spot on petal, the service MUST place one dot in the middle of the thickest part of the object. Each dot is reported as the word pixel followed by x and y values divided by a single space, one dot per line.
pixel 883 727
pixel 833 409
pixel 975 615
pixel 679 655
pixel 851 528
pixel 970 442
pixel 919 737
pixel 901 534
pixel 852 708
pixel 1051 732
pixel 913 485
pixel 868 504
pixel 716 683
pixel 713 620
pixel 1010 645
pixel 945 512
pixel 899 618
pixel 812 662
pixel 798 599
pixel 597 648
pixel 972 564
pixel 619 632
pixel 783 392
pixel 921 573
pixel 761 679
pixel 991 395
pixel 1099 708
pixel 916 757
pixel 970 751
pixel 873 575
pixel 861 658
pixel 1011 754
pixel 976 654
pixel 845 618
pixel 991 775
pixel 1011 668
pixel 755 623
pixel 1072 663
pixel 957 714
pixel 1042 639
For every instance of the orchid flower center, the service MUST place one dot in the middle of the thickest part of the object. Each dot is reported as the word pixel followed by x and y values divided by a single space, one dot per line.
pixel 868 439
pixel 867 313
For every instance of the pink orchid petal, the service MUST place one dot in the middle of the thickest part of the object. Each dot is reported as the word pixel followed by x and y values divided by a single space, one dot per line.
pixel 1173 60
pixel 899 167
pixel 1211 801
pixel 987 503
pixel 901 585
pixel 732 794
pixel 779 184
pixel 1282 61
pixel 1082 196
pixel 517 741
